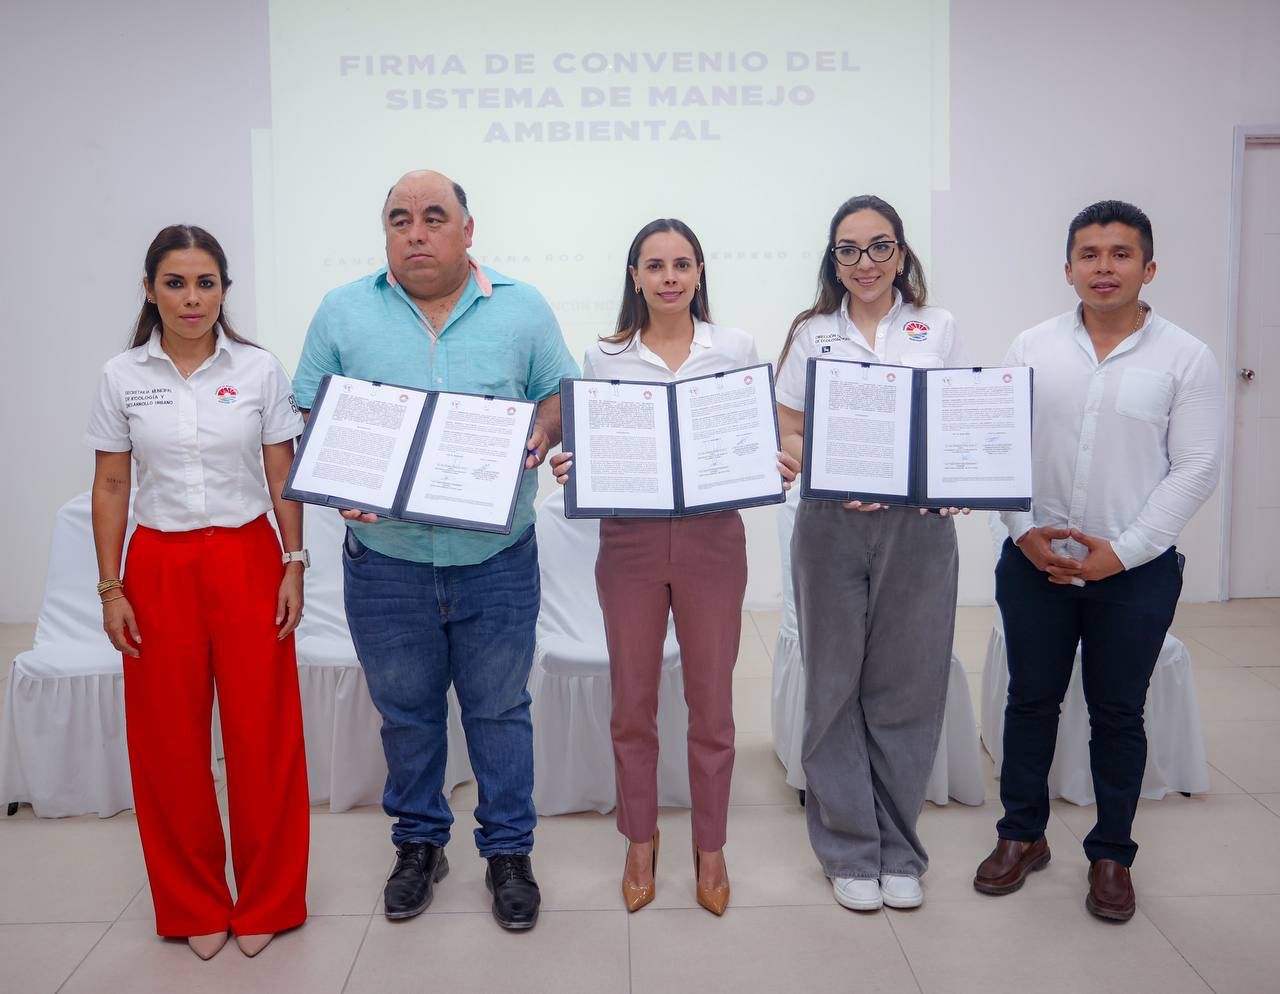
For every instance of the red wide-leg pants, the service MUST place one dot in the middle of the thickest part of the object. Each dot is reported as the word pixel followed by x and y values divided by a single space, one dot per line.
pixel 205 603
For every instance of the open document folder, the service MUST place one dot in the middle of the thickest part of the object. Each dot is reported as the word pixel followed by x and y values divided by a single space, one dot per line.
pixel 453 459
pixel 918 437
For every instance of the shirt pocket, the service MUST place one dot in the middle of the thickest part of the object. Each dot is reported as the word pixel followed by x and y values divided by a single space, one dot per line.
pixel 495 365
pixel 922 360
pixel 1144 395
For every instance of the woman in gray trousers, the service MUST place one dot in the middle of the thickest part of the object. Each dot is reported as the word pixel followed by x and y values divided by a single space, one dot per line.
pixel 875 586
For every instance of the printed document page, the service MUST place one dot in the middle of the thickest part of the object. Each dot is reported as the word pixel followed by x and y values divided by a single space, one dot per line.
pixel 979 433
pixel 622 446
pixel 359 442
pixel 472 459
pixel 861 429
pixel 728 441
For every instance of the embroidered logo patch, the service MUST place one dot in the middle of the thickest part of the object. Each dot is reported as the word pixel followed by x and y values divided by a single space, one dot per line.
pixel 917 331
pixel 226 394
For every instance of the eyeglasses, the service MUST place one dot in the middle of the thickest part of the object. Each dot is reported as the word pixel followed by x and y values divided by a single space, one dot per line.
pixel 851 255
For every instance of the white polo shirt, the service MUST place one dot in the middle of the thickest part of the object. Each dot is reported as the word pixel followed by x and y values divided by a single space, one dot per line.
pixel 714 350
pixel 197 443
pixel 1126 449
pixel 923 337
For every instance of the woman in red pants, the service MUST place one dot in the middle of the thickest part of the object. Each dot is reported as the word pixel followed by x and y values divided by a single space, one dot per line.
pixel 694 568
pixel 206 601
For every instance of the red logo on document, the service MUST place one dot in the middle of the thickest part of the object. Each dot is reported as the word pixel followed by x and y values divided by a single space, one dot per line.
pixel 511 410
pixel 648 395
pixel 1008 377
pixel 917 331
pixel 890 376
pixel 747 379
pixel 404 398
pixel 226 394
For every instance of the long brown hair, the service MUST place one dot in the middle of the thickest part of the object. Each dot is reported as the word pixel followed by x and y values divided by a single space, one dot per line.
pixel 173 239
pixel 633 315
pixel 910 282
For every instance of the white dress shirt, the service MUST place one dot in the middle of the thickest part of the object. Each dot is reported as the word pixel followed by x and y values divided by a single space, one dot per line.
pixel 923 337
pixel 715 349
pixel 196 442
pixel 1126 449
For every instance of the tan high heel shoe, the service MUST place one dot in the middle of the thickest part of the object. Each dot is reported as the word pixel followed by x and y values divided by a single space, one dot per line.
pixel 207 946
pixel 714 899
pixel 637 896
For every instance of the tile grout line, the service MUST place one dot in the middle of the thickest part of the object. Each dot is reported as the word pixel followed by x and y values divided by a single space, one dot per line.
pixel 1174 947
pixel 905 958
pixel 631 980
pixel 368 924
pixel 105 932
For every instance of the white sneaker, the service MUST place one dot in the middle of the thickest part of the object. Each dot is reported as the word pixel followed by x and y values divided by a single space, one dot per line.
pixel 901 892
pixel 857 894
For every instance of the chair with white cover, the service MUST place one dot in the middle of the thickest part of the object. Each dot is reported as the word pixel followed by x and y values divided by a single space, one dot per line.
pixel 62 730
pixel 1175 735
pixel 957 766
pixel 345 762
pixel 572 748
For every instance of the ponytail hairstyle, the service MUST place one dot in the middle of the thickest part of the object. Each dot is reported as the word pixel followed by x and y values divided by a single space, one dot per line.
pixel 910 282
pixel 633 315
pixel 173 239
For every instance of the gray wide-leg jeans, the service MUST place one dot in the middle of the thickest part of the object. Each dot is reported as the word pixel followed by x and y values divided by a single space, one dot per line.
pixel 875 599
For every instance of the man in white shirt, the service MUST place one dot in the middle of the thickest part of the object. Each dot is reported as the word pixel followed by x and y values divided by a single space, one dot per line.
pixel 1126 446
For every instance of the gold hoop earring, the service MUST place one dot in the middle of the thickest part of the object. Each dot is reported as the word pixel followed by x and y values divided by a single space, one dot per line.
pixel 697 287
pixel 637 288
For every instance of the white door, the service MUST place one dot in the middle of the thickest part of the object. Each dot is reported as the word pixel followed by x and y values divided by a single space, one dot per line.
pixel 1255 479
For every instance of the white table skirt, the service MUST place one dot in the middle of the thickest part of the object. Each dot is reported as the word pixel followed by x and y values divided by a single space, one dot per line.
pixel 1175 736
pixel 62 738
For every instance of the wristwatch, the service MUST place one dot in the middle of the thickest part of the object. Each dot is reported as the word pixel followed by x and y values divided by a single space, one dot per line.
pixel 301 556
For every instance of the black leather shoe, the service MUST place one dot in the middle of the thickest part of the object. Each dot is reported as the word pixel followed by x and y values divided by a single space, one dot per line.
pixel 409 888
pixel 516 897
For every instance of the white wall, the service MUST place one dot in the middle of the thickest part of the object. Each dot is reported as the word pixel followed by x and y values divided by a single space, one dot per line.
pixel 120 118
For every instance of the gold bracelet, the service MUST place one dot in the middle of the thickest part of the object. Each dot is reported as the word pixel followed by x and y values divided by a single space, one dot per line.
pixel 105 585
pixel 110 599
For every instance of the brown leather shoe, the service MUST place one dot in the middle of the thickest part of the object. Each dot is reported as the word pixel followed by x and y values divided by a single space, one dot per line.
pixel 1110 891
pixel 1006 869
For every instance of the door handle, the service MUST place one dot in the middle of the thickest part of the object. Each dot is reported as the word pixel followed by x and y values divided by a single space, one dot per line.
pixel 1247 374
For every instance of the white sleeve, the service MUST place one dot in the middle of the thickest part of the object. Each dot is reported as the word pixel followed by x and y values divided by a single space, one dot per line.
pixel 1195 457
pixel 281 419
pixel 753 353
pixel 108 429
pixel 587 373
pixel 789 385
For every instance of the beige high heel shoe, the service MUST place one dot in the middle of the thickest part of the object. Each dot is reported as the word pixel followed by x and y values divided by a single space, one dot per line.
pixel 251 945
pixel 714 899
pixel 207 946
pixel 636 896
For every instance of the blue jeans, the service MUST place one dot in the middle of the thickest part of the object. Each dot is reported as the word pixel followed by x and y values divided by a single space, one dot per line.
pixel 417 628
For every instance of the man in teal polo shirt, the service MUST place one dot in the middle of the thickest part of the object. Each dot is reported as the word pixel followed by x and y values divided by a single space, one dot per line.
pixel 430 606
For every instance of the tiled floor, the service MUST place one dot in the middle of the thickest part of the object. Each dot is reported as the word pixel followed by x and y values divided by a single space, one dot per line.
pixel 75 913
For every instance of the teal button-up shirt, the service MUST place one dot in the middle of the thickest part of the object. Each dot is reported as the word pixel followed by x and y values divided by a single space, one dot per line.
pixel 502 338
